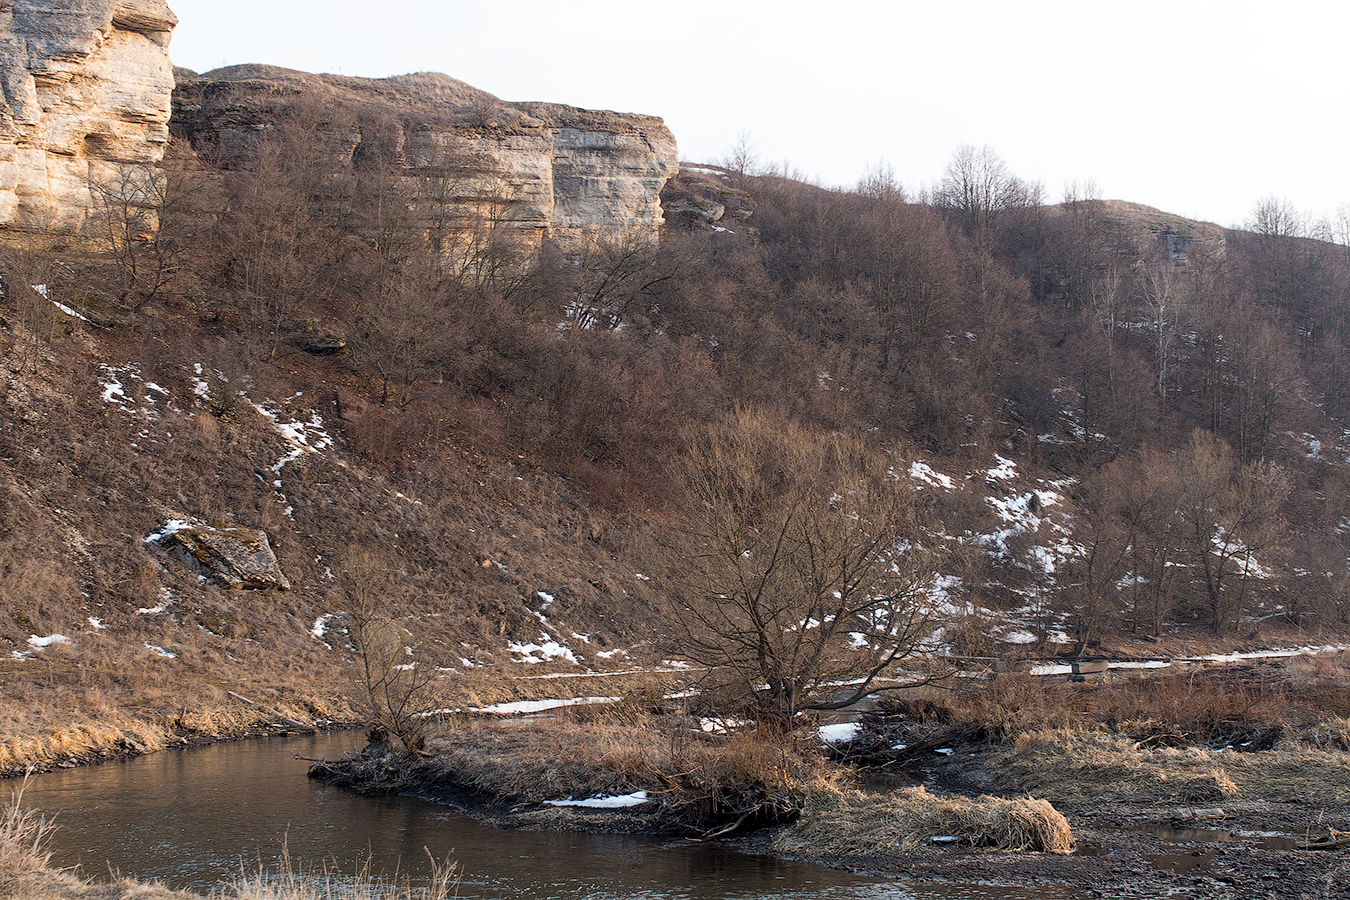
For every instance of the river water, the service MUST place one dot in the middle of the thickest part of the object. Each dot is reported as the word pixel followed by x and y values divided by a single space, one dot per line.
pixel 195 818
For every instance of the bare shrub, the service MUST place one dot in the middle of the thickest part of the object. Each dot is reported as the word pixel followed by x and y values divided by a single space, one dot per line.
pixel 391 686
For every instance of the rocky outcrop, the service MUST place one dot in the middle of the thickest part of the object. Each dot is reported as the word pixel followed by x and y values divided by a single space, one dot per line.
pixel 701 197
pixel 87 89
pixel 231 556
pixel 543 171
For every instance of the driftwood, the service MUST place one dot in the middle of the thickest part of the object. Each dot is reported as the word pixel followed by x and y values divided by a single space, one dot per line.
pixel 1335 840
pixel 272 712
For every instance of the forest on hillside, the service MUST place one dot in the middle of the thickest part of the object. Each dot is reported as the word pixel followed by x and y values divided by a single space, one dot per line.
pixel 1187 385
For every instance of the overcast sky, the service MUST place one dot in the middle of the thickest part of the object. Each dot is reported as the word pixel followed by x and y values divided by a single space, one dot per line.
pixel 1200 108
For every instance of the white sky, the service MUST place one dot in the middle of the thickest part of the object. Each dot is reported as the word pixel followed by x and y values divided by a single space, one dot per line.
pixel 1201 108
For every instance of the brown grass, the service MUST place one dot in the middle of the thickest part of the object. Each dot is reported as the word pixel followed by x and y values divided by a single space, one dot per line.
pixel 857 823
pixel 290 883
pixel 700 780
pixel 1096 766
pixel 1199 706
pixel 22 838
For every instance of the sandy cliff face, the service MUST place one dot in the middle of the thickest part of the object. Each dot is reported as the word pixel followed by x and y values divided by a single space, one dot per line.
pixel 544 171
pixel 87 90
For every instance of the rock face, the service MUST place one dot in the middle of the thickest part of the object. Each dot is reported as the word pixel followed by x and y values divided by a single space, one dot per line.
pixel 544 171
pixel 233 557
pixel 87 91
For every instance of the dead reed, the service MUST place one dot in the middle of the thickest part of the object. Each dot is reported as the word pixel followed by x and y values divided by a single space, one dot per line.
pixel 1097 766
pixel 852 822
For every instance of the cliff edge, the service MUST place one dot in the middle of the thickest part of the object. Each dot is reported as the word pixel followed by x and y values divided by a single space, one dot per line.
pixel 543 170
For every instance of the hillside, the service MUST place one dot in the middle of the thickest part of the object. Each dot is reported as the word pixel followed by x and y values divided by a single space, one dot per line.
pixel 1126 432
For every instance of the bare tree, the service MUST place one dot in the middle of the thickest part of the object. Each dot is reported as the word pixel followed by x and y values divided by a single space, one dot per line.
pixel 801 579
pixel 979 190
pixel 1229 513
pixel 391 687
pixel 1161 296
pixel 146 221
pixel 741 160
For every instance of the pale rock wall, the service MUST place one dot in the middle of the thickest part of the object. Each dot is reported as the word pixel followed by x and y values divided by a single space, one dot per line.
pixel 546 171
pixel 87 89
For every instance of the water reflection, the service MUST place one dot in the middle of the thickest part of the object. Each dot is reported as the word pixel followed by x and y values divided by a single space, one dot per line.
pixel 194 818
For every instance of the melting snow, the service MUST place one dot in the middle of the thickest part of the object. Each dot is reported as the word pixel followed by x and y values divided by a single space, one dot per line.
pixel 924 472
pixel 604 802
pixel 160 651
pixel 1006 470
pixel 525 707
pixel 170 527
pixel 1262 654
pixel 537 653
pixel 839 733
pixel 41 642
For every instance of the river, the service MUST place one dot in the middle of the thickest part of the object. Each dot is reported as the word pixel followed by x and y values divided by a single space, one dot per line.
pixel 195 818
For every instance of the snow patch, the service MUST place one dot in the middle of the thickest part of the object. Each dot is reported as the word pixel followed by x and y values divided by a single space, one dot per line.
pixel 839 733
pixel 920 471
pixel 604 802
pixel 537 653
pixel 525 707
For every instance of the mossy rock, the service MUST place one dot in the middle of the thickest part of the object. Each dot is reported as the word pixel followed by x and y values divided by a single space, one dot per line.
pixel 234 557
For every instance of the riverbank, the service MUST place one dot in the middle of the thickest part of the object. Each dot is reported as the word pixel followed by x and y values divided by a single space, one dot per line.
pixel 1221 782
pixel 87 743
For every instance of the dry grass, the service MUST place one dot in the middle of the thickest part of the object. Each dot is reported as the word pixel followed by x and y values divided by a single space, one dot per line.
pixel 1199 706
pixel 1096 766
pixel 857 823
pixel 700 780
pixel 290 883
pixel 22 838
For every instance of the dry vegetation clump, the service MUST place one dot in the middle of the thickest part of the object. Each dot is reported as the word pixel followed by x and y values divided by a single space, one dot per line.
pixel 290 883
pixel 1098 766
pixel 78 741
pixel 22 835
pixel 852 822
pixel 1203 707
pixel 701 781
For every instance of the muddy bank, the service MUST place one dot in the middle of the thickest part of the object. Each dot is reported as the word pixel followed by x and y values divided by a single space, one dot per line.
pixel 1240 848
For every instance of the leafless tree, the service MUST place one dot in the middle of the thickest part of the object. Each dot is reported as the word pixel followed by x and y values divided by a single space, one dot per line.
pixel 802 577
pixel 390 685
pixel 980 191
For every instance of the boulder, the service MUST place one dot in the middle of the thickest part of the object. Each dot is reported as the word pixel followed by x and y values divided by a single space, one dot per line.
pixel 232 556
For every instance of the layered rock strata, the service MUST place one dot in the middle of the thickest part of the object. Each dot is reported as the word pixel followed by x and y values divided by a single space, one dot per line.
pixel 544 171
pixel 87 95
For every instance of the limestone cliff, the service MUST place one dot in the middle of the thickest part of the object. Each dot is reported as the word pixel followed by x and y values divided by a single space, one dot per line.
pixel 545 171
pixel 87 88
